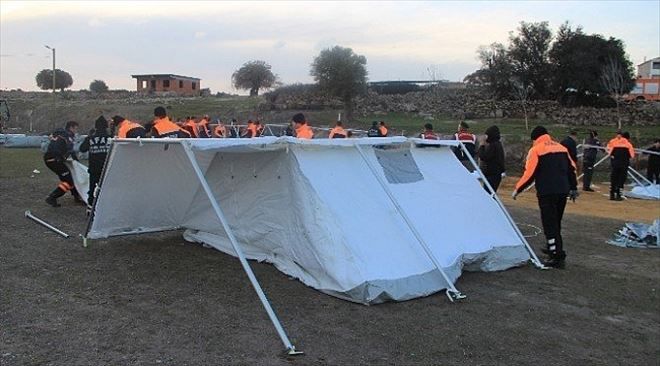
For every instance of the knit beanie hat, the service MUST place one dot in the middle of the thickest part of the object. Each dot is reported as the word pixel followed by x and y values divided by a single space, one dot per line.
pixel 537 132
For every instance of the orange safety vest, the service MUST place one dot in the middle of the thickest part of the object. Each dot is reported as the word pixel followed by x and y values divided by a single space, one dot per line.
pixel 253 129
pixel 544 148
pixel 620 142
pixel 304 132
pixel 383 131
pixel 126 126
pixel 166 128
pixel 191 127
pixel 337 130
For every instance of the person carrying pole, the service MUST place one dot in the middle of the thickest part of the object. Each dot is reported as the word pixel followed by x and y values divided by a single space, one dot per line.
pixel 203 130
pixel 98 145
pixel 620 151
pixel 589 159
pixel 58 151
pixel 549 165
pixel 469 140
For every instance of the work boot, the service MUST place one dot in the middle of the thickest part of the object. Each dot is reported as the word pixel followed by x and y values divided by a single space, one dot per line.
pixel 52 201
pixel 555 263
pixel 588 189
pixel 618 195
pixel 612 196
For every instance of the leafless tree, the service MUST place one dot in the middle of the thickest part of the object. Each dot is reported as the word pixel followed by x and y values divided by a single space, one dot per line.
pixel 613 79
pixel 522 92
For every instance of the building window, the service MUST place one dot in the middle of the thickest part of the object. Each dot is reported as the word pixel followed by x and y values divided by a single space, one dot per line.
pixel 656 65
pixel 143 84
pixel 153 84
pixel 194 86
pixel 166 83
pixel 180 84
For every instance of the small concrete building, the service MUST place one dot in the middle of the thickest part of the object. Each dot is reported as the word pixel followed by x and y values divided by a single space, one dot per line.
pixel 649 69
pixel 162 83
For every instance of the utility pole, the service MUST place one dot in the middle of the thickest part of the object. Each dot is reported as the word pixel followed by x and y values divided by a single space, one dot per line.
pixel 52 48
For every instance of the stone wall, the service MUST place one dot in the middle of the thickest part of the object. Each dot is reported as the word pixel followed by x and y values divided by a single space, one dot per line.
pixel 471 104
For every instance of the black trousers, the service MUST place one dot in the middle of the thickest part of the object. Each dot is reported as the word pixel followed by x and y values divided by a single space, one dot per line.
pixel 653 174
pixel 494 181
pixel 552 211
pixel 66 180
pixel 94 178
pixel 618 177
pixel 588 169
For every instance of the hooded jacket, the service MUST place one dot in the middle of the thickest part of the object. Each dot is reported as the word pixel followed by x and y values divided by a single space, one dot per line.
pixel 97 144
pixel 491 155
pixel 549 165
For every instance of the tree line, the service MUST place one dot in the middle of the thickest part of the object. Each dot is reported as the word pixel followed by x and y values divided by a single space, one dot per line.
pixel 572 66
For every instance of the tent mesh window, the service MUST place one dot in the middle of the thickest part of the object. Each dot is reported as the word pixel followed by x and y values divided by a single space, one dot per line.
pixel 398 166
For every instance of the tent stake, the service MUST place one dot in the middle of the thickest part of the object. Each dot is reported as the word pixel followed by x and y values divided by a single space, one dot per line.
pixel 535 259
pixel 29 215
pixel 290 348
pixel 452 292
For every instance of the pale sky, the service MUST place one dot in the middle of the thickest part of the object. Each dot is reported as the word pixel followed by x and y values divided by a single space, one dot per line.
pixel 210 40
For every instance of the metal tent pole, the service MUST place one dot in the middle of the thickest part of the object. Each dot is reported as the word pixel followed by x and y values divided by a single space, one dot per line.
pixel 290 348
pixel 535 259
pixel 595 165
pixel 452 291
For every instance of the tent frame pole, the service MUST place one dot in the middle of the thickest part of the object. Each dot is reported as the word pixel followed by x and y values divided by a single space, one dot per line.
pixel 494 195
pixel 452 292
pixel 290 348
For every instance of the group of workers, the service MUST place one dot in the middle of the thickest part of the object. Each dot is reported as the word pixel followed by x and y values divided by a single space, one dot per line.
pixel 551 165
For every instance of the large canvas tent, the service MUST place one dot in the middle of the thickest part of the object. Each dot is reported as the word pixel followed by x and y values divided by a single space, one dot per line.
pixel 367 220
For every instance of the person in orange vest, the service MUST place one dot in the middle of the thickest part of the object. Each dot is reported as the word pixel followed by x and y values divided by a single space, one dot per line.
pixel 127 129
pixel 203 128
pixel 190 126
pixel 428 133
pixel 620 151
pixel 382 129
pixel 551 167
pixel 163 127
pixel 220 130
pixel 303 131
pixel 338 132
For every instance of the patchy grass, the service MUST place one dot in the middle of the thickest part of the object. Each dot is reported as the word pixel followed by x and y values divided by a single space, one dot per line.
pixel 20 162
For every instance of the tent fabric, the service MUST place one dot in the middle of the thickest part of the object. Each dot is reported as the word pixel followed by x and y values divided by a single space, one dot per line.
pixel 80 177
pixel 315 209
pixel 646 192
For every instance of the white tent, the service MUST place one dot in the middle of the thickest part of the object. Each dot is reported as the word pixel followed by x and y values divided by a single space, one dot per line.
pixel 365 223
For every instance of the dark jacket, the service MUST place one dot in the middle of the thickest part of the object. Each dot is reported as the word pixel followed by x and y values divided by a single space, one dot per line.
pixel 491 154
pixel 654 160
pixel 98 146
pixel 549 165
pixel 571 146
pixel 590 153
pixel 58 146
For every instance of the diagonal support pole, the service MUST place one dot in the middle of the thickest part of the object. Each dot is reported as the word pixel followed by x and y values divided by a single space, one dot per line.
pixel 290 348
pixel 533 256
pixel 452 291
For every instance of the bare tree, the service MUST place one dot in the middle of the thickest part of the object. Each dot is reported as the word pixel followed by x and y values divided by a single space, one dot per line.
pixel 613 79
pixel 434 72
pixel 522 92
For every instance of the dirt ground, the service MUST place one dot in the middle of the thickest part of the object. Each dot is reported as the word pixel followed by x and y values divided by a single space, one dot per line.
pixel 154 299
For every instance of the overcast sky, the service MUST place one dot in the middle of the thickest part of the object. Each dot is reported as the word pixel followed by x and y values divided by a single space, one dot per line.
pixel 210 40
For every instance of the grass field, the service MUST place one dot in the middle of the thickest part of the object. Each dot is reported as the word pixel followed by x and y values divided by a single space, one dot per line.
pixel 154 299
